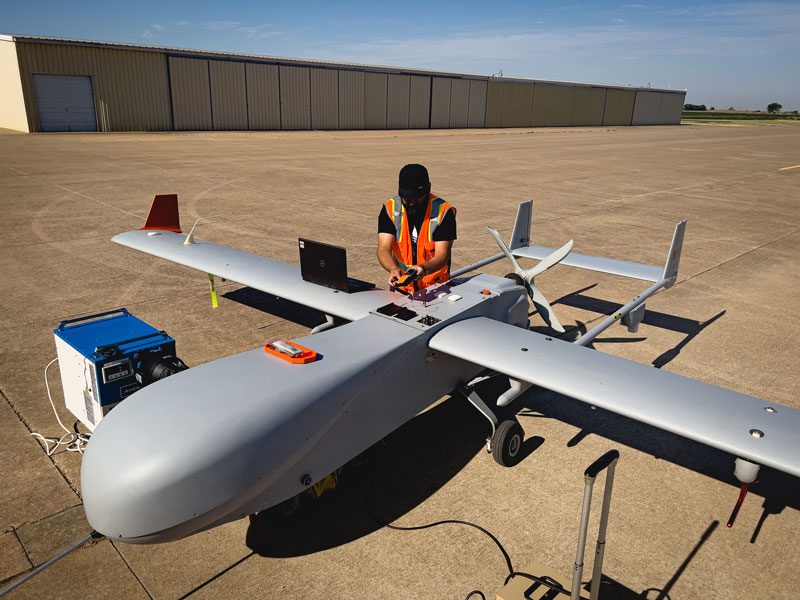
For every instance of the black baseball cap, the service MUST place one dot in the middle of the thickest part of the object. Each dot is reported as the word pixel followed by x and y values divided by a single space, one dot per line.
pixel 413 181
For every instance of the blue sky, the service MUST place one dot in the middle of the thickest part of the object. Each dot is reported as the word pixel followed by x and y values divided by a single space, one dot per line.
pixel 740 54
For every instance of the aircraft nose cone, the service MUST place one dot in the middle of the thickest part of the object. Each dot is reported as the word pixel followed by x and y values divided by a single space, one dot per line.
pixel 199 446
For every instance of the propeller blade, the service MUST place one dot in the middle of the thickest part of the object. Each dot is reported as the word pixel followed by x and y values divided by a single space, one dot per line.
pixel 551 259
pixel 544 308
pixel 517 269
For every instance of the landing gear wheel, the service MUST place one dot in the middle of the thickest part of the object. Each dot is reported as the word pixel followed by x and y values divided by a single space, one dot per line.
pixel 507 443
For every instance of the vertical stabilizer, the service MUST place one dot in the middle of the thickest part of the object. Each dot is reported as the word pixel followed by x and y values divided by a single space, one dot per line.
pixel 163 215
pixel 674 258
pixel 522 226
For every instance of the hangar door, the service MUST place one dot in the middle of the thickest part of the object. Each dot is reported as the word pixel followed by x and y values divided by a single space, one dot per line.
pixel 65 102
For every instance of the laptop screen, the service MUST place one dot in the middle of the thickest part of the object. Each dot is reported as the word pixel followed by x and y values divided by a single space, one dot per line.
pixel 323 264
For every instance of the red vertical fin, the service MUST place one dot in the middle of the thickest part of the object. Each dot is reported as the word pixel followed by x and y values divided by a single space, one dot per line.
pixel 163 214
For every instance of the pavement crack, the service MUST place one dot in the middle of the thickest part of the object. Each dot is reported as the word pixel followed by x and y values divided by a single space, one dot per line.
pixel 127 212
pixel 135 576
pixel 21 545
pixel 738 256
pixel 50 458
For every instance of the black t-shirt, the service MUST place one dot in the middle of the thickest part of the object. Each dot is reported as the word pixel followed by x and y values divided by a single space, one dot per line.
pixel 445 231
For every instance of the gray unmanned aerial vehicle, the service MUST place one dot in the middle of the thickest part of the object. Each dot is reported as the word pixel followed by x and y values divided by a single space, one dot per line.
pixel 305 407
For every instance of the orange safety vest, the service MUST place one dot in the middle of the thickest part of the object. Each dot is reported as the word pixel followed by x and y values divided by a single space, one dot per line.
pixel 402 245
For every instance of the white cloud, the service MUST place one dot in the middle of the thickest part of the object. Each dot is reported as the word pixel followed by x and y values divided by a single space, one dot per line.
pixel 221 25
pixel 258 32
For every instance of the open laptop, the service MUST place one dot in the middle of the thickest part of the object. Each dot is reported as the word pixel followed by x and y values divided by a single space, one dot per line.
pixel 325 264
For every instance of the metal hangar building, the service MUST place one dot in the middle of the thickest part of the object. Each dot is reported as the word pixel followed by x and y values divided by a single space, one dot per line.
pixel 54 84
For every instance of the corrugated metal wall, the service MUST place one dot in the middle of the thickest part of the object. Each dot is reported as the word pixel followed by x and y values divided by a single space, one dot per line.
pixel 191 94
pixel 587 106
pixel 130 86
pixel 228 94
pixel 398 88
pixel 324 99
pixel 459 103
pixel 540 104
pixel 295 97
pixel 619 107
pixel 525 104
pixel 351 100
pixel 419 99
pixel 645 109
pixel 510 104
pixel 263 96
pixel 671 108
pixel 477 103
pixel 564 96
pixel 494 104
pixel 376 91
pixel 158 90
pixel 440 103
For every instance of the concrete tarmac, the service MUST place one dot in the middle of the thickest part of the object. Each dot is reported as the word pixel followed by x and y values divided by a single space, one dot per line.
pixel 731 320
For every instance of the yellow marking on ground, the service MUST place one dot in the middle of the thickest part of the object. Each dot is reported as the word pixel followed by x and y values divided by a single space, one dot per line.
pixel 787 168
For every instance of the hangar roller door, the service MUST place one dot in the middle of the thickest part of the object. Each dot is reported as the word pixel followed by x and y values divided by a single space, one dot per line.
pixel 65 102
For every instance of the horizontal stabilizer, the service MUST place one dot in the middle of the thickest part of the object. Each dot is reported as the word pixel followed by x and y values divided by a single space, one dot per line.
pixel 596 263
pixel 759 431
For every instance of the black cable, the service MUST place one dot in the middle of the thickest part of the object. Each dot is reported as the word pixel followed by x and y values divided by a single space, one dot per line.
pixel 455 521
pixel 545 580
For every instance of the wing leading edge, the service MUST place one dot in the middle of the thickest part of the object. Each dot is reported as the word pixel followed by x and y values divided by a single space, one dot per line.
pixel 706 413
pixel 259 272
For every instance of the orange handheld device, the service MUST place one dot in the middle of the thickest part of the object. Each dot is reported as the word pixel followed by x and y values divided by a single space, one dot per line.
pixel 407 278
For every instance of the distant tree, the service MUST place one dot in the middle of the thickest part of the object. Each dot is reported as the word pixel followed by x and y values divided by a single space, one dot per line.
pixel 731 108
pixel 712 108
pixel 774 107
pixel 694 107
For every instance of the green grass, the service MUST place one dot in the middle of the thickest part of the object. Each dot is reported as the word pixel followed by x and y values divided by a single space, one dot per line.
pixel 734 116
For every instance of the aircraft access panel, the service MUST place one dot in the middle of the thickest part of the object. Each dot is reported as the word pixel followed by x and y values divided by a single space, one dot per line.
pixel 431 306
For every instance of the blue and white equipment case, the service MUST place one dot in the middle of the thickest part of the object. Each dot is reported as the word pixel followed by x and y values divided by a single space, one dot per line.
pixel 106 357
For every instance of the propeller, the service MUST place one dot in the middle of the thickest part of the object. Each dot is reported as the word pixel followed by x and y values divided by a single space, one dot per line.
pixel 525 277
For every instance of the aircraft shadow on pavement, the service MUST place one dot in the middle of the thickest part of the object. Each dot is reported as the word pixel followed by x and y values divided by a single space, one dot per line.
pixel 279 307
pixel 381 484
pixel 690 327
pixel 777 490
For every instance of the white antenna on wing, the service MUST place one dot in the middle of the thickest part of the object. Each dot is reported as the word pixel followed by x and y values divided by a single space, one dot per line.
pixel 190 238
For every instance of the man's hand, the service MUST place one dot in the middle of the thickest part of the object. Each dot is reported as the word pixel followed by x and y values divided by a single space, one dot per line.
pixel 419 269
pixel 394 275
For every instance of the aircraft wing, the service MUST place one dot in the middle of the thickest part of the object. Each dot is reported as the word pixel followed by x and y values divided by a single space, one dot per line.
pixel 259 272
pixel 700 411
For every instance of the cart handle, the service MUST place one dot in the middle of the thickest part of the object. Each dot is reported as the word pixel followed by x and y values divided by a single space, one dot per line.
pixel 601 463
pixel 63 324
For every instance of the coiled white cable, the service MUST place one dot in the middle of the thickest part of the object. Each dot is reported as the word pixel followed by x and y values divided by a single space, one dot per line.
pixel 74 442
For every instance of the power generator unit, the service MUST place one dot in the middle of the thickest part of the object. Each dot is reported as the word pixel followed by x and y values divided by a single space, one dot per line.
pixel 104 358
